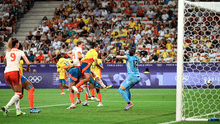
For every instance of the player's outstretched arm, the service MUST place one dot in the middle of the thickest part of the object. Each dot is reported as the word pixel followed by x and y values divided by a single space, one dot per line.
pixel 121 57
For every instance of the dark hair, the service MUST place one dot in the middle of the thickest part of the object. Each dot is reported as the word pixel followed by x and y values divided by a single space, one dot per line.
pixel 132 51
pixel 93 45
pixel 79 43
pixel 14 41
pixel 20 46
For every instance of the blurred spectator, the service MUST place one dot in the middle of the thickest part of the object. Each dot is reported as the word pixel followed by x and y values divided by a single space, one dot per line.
pixel 41 57
pixel 104 12
pixel 31 57
pixel 150 14
pixel 144 51
pixel 161 60
pixel 97 12
pixel 56 43
pixel 109 16
pixel 2 58
pixel 128 12
pixel 164 53
pixel 33 49
pixel 169 45
pixel 172 4
pixel 206 59
pixel 135 8
pixel 131 23
pixel 140 12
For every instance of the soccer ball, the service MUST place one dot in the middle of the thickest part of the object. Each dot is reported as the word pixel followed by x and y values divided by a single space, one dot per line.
pixel 208 83
pixel 34 71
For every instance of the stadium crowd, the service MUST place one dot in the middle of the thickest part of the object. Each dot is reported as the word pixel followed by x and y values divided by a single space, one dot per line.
pixel 150 26
pixel 10 12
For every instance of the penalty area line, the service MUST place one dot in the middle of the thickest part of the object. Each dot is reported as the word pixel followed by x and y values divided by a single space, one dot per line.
pixel 46 106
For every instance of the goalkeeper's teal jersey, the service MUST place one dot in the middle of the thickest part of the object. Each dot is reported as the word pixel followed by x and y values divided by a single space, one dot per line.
pixel 132 65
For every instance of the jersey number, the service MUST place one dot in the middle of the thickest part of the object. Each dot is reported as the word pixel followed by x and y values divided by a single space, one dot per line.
pixel 135 63
pixel 13 56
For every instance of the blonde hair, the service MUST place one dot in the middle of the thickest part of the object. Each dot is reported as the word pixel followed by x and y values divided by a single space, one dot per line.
pixel 9 44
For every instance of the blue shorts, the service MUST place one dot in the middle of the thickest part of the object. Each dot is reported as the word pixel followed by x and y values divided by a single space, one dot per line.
pixel 85 67
pixel 63 81
pixel 74 74
pixel 131 81
pixel 23 79
pixel 96 84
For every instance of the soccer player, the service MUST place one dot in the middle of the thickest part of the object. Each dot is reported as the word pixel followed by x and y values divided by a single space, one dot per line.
pixel 13 76
pixel 74 77
pixel 90 57
pixel 93 84
pixel 133 76
pixel 26 84
pixel 62 79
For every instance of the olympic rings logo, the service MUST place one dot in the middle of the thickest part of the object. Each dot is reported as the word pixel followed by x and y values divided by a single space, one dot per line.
pixel 35 79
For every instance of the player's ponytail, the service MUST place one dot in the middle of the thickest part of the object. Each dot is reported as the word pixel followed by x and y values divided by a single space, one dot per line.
pixel 11 43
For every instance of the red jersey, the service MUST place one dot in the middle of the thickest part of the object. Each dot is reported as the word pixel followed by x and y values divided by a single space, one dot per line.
pixel 40 58
pixel 140 12
pixel 128 11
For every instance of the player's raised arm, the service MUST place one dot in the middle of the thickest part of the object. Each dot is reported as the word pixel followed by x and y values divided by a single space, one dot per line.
pixel 121 57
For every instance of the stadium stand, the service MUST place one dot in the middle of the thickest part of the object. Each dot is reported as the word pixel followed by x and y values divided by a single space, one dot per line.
pixel 149 25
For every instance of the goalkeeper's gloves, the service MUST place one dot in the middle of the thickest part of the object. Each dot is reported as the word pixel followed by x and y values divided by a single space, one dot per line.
pixel 111 57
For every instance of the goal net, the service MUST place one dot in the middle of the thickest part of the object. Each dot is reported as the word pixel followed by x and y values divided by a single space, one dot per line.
pixel 198 61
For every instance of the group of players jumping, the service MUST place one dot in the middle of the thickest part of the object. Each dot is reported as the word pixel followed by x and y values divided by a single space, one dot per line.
pixel 82 69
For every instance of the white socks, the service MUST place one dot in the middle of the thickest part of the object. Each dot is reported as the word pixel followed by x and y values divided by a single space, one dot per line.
pixel 13 100
pixel 17 106
pixel 86 88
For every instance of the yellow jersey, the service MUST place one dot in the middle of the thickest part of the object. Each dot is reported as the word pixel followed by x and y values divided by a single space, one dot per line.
pixel 21 66
pixel 86 20
pixel 64 63
pixel 62 73
pixel 169 46
pixel 131 24
pixel 75 41
pixel 206 60
pixel 97 69
pixel 90 56
pixel 164 54
pixel 173 54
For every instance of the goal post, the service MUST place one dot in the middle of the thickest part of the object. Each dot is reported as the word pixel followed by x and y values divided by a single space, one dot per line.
pixel 198 25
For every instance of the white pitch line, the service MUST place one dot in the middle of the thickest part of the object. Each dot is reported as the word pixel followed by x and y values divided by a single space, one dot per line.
pixel 89 101
pixel 169 122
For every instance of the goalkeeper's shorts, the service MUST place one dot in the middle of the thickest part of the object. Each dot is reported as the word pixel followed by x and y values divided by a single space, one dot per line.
pixel 131 81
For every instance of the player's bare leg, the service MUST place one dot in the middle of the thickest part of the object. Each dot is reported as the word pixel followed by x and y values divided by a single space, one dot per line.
pixel 28 86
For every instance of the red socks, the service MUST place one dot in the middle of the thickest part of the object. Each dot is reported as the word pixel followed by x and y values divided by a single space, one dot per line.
pixel 79 84
pixel 100 97
pixel 62 90
pixel 31 97
pixel 92 91
pixel 72 98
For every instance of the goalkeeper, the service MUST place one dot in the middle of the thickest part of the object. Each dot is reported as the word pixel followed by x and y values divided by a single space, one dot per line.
pixel 133 76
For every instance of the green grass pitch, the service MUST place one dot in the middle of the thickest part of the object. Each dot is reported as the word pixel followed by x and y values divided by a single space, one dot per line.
pixel 150 106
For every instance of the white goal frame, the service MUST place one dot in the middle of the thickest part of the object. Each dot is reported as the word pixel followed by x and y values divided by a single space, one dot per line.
pixel 179 84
